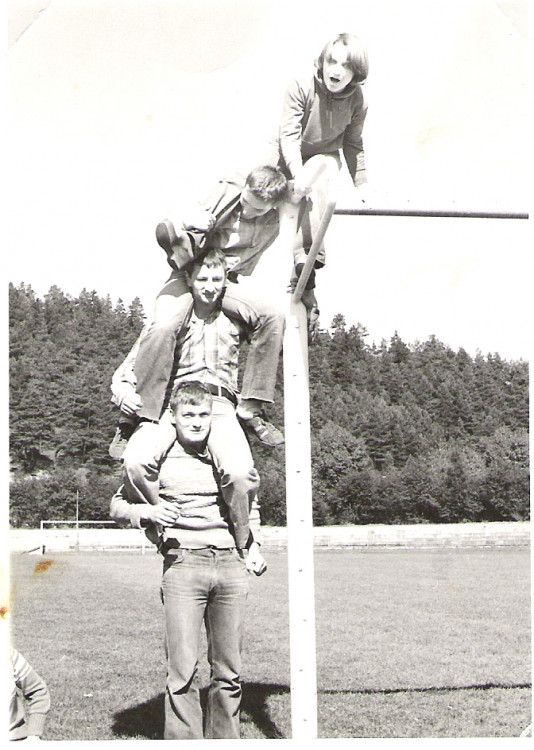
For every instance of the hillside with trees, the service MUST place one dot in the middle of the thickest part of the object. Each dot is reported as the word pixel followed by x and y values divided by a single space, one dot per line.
pixel 401 433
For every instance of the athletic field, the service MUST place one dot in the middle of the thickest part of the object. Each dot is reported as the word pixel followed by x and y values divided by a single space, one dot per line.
pixel 432 643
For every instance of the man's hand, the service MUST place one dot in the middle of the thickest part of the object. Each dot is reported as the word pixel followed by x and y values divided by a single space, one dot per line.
pixel 297 191
pixel 254 560
pixel 199 219
pixel 131 404
pixel 165 513
pixel 312 309
pixel 126 398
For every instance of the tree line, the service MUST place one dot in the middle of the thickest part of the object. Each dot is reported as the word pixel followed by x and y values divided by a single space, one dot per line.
pixel 401 433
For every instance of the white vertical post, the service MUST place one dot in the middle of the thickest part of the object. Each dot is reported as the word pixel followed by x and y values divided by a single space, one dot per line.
pixel 299 526
pixel 299 503
pixel 77 521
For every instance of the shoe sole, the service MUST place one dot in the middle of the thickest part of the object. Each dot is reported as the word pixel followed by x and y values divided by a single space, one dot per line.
pixel 166 235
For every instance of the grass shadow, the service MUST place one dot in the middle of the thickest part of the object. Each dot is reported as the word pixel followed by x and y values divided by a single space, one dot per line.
pixel 142 721
pixel 146 720
pixel 254 704
pixel 434 689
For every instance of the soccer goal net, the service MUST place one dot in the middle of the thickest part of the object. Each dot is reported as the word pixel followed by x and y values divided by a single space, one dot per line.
pixel 60 535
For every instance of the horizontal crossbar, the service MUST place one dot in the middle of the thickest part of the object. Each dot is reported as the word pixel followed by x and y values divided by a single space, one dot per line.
pixel 430 213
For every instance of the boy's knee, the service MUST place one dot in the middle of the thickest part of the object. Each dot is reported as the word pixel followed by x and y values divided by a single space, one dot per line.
pixel 135 466
pixel 171 311
pixel 164 325
pixel 243 477
pixel 274 314
pixel 138 457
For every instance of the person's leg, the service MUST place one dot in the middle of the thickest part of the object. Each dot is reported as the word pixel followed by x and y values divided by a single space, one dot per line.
pixel 185 592
pixel 155 358
pixel 144 450
pixel 239 480
pixel 313 207
pixel 266 323
pixel 224 620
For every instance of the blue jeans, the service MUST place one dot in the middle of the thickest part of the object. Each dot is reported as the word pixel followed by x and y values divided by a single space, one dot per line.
pixel 155 358
pixel 207 585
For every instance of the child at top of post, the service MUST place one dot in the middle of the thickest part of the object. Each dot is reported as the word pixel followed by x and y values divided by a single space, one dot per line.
pixel 323 113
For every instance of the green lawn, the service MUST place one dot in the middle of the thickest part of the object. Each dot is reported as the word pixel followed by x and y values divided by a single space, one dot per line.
pixel 409 643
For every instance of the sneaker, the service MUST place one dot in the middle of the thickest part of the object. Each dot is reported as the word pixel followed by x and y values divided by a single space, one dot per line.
pixel 118 445
pixel 266 432
pixel 176 245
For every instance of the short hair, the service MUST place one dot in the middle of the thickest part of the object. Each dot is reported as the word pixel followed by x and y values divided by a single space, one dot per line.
pixel 212 258
pixel 189 392
pixel 356 55
pixel 267 183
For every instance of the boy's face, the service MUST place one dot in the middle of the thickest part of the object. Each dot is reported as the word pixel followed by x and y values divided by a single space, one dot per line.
pixel 207 284
pixel 337 73
pixel 252 206
pixel 193 424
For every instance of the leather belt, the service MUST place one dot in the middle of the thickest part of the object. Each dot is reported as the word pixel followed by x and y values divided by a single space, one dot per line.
pixel 167 545
pixel 219 390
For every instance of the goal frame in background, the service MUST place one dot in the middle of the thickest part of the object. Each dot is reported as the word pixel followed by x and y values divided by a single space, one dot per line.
pixel 78 541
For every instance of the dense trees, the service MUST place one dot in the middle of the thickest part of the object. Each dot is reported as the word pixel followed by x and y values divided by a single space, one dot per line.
pixel 400 433
pixel 63 352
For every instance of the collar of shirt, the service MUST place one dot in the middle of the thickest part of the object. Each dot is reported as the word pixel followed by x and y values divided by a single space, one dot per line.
pixel 177 449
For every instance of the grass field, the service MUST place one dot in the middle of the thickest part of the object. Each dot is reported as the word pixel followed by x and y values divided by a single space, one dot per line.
pixel 409 643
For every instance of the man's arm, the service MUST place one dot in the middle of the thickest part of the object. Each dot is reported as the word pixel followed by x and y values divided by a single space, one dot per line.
pixel 353 146
pixel 139 514
pixel 35 693
pixel 255 521
pixel 201 220
pixel 254 560
pixel 124 381
pixel 293 109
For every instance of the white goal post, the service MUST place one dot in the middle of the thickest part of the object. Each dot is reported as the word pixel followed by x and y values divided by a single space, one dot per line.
pixel 299 499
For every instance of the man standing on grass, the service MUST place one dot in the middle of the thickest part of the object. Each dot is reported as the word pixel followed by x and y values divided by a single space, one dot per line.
pixel 205 576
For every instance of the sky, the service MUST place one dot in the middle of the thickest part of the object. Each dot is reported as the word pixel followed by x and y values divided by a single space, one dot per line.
pixel 121 113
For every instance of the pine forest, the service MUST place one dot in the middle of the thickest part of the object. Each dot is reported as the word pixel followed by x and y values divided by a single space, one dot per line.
pixel 401 432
